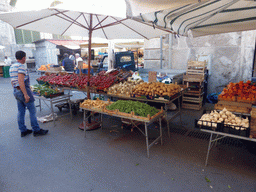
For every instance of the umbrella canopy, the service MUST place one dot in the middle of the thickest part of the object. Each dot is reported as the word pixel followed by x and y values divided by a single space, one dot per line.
pixel 86 24
pixel 75 23
pixel 206 18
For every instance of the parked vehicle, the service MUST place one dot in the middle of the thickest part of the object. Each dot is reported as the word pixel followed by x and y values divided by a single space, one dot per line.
pixel 122 60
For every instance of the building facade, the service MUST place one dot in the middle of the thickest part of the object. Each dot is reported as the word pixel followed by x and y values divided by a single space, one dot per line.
pixel 230 56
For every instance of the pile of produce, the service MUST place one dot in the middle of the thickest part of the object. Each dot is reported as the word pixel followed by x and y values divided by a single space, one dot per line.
pixel 124 88
pixel 139 109
pixel 156 89
pixel 45 90
pixel 239 91
pixel 94 103
pixel 46 78
pixel 102 81
pixel 44 67
pixel 225 117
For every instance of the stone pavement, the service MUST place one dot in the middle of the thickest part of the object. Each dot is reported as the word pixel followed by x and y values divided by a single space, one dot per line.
pixel 107 160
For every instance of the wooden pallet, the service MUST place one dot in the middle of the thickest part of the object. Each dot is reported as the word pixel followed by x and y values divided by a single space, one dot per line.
pixel 234 106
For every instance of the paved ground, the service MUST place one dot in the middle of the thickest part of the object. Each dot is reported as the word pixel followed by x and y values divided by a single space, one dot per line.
pixel 116 160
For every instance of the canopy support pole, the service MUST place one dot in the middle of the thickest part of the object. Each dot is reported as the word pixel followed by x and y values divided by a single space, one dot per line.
pixel 90 57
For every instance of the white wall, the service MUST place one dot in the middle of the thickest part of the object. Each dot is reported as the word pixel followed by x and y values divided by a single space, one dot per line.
pixel 231 55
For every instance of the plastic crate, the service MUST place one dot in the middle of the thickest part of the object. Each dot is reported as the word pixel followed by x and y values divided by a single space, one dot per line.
pixel 6 71
pixel 208 125
pixel 236 130
pixel 54 95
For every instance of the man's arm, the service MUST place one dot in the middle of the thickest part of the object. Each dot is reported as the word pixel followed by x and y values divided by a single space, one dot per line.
pixel 21 78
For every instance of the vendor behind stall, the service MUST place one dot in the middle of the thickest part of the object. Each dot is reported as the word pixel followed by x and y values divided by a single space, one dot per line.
pixel 7 61
pixel 67 63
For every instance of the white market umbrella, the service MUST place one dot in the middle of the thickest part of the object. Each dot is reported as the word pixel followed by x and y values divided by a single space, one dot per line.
pixel 206 18
pixel 86 24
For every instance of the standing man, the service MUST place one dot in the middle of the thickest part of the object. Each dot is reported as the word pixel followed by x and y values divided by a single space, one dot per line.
pixel 23 94
pixel 67 63
pixel 7 61
pixel 72 57
pixel 78 58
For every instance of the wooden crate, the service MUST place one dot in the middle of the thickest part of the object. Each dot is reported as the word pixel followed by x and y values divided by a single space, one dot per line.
pixel 189 105
pixel 192 99
pixel 193 78
pixel 234 106
pixel 196 68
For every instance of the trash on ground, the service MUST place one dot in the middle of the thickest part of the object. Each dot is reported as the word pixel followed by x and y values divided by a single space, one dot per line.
pixel 47 118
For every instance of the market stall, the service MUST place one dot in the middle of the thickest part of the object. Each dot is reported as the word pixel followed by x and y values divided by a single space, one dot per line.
pixel 52 96
pixel 121 86
pixel 234 115
pixel 134 111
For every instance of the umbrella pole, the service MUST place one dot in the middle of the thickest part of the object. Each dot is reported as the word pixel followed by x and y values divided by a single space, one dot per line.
pixel 90 56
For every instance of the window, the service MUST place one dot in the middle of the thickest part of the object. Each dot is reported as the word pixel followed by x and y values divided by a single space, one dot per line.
pixel 125 59
pixel 25 36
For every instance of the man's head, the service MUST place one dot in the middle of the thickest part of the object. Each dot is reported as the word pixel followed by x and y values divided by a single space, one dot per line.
pixel 20 56
pixel 5 57
pixel 77 55
pixel 65 55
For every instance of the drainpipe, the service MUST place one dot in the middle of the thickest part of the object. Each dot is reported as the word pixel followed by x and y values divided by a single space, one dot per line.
pixel 170 51
pixel 161 52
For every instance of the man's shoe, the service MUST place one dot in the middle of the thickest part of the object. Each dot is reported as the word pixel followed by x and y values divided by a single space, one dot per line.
pixel 28 131
pixel 40 132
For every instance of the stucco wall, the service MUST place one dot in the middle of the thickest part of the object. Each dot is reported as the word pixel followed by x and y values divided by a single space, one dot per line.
pixel 45 53
pixel 231 55
pixel 7 38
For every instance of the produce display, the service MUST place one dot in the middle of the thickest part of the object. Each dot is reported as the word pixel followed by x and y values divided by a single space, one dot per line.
pixel 101 81
pixel 46 91
pixel 94 103
pixel 124 88
pixel 156 89
pixel 139 109
pixel 225 117
pixel 244 92
pixel 44 67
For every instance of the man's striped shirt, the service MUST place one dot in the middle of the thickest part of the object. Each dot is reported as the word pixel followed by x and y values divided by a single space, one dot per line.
pixel 15 69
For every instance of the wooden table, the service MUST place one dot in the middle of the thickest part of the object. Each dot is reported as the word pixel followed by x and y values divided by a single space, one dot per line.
pixel 146 124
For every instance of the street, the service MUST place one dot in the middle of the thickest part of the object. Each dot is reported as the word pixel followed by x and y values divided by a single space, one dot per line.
pixel 116 161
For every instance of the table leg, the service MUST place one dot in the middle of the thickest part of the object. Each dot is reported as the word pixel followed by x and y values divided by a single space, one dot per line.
pixel 161 131
pixel 70 108
pixel 40 104
pixel 146 134
pixel 101 121
pixel 52 113
pixel 166 118
pixel 179 110
pixel 84 123
pixel 208 152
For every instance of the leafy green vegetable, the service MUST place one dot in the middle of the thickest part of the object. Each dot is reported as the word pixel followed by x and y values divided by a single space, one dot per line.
pixel 44 89
pixel 207 180
pixel 139 108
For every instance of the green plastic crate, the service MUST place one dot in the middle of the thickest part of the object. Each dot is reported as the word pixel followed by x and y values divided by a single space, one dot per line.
pixel 6 71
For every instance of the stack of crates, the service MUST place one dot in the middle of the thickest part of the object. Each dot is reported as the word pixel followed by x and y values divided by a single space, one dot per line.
pixel 194 79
